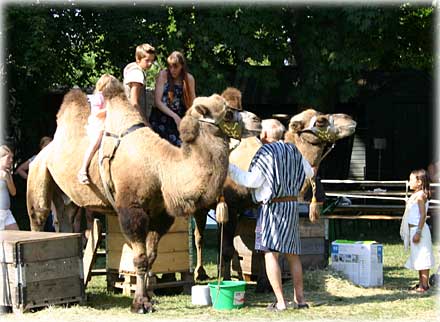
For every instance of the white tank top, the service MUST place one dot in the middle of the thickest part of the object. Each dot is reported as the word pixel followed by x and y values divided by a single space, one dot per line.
pixel 414 212
pixel 5 200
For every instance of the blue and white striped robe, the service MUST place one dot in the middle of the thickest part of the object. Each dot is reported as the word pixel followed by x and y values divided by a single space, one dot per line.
pixel 281 165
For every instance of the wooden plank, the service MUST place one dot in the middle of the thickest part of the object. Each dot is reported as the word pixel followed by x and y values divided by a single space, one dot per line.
pixel 170 242
pixel 180 224
pixel 129 287
pixel 312 246
pixel 314 261
pixel 246 229
pixel 112 225
pixel 39 246
pixel 365 217
pixel 93 241
pixel 173 249
pixel 165 262
pixel 50 292
pixel 309 229
pixel 51 269
pixel 34 251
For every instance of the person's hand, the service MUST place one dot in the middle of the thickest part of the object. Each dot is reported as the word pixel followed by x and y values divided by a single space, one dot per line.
pixel 5 174
pixel 177 119
pixel 416 237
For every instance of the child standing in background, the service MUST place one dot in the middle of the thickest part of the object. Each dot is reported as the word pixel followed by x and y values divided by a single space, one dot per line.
pixel 414 231
pixel 7 187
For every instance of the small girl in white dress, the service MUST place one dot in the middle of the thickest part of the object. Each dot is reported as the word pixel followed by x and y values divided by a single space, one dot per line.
pixel 414 231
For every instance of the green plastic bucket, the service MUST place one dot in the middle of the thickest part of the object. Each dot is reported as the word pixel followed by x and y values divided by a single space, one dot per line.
pixel 227 295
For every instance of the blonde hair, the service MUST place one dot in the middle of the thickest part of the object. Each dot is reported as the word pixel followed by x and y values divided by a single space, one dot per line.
pixel 274 128
pixel 104 82
pixel 143 50
pixel 4 150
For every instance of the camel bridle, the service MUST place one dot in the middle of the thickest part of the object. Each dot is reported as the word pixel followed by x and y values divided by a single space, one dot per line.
pixel 232 129
pixel 326 135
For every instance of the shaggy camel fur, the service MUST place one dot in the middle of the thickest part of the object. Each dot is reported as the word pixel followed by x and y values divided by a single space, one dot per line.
pixel 150 180
pixel 311 140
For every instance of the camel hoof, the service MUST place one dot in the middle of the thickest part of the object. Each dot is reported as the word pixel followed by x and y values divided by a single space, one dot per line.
pixel 200 275
pixel 142 307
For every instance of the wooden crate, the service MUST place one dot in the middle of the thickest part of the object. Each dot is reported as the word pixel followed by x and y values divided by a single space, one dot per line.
pixel 41 269
pixel 174 256
pixel 247 262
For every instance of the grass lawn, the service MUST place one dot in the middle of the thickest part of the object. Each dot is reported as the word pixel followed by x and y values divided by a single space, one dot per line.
pixel 330 295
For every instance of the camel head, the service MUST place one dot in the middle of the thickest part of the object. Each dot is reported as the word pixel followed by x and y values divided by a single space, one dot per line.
pixel 312 131
pixel 227 121
pixel 252 123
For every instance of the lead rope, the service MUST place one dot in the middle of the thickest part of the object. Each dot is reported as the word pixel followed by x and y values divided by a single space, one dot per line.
pixel 219 270
pixel 222 216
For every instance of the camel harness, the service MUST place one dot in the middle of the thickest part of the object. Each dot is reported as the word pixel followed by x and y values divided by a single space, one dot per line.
pixel 108 185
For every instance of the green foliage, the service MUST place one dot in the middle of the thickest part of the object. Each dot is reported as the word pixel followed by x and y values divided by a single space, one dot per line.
pixel 59 45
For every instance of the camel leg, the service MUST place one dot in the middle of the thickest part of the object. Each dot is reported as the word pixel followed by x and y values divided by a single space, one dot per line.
pixel 228 243
pixel 141 302
pixel 158 228
pixel 152 242
pixel 200 218
pixel 134 223
pixel 66 214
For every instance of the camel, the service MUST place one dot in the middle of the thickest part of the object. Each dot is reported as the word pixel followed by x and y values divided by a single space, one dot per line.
pixel 136 175
pixel 311 131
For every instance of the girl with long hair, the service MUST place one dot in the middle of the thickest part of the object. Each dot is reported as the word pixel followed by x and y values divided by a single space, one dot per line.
pixel 414 230
pixel 174 94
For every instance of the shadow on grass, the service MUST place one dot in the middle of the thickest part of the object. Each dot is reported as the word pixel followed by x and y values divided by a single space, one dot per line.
pixel 106 301
pixel 395 288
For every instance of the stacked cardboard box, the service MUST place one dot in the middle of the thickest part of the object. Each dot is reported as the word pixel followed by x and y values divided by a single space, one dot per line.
pixel 360 261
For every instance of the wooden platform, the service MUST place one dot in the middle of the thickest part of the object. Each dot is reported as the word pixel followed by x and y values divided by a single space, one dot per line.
pixel 174 256
pixel 247 262
pixel 40 269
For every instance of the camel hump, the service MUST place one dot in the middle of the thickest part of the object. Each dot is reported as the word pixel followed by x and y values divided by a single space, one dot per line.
pixel 243 154
pixel 74 105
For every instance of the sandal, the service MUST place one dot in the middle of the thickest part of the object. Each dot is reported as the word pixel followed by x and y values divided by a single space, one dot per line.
pixel 422 289
pixel 413 288
pixel 298 306
pixel 273 308
pixel 83 178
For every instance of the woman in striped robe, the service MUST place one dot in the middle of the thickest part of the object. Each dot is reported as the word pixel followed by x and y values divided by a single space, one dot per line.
pixel 276 175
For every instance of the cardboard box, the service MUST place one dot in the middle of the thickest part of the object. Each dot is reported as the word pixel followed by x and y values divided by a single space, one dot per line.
pixel 40 269
pixel 360 261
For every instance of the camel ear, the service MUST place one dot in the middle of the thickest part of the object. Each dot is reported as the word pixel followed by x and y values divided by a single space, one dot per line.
pixel 296 126
pixel 201 109
pixel 189 129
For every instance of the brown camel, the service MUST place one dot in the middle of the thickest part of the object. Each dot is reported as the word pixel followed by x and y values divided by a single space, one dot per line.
pixel 136 175
pixel 311 132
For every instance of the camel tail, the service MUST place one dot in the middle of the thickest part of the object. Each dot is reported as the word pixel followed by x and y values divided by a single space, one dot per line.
pixel 40 187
